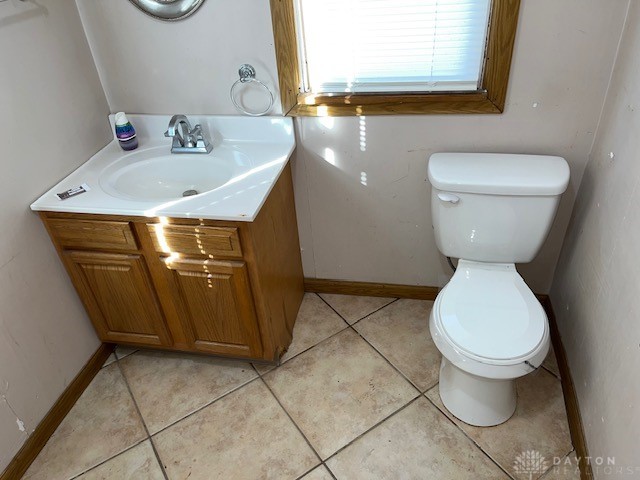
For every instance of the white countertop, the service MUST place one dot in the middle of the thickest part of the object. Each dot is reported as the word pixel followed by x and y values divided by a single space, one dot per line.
pixel 265 144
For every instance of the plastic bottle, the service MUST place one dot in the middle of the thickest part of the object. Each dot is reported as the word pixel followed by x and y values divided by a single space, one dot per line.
pixel 125 132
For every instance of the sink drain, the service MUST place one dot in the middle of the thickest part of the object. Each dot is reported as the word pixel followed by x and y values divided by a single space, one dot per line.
pixel 189 193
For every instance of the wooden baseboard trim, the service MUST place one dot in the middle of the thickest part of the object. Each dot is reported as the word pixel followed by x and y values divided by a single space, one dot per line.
pixel 38 439
pixel 320 285
pixel 570 398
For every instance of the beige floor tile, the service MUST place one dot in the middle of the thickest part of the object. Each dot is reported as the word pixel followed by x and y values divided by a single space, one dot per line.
pixel 139 463
pixel 319 473
pixel 352 308
pixel 122 351
pixel 245 435
pixel 169 386
pixel 564 469
pixel 418 442
pixel 400 332
pixel 110 360
pixel 539 423
pixel 315 322
pixel 103 423
pixel 338 389
pixel 551 363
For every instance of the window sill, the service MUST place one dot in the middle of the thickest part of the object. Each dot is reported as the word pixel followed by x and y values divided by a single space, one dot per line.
pixel 320 105
pixel 500 40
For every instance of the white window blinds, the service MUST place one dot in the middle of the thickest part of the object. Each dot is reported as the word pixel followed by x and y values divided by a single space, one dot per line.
pixel 392 45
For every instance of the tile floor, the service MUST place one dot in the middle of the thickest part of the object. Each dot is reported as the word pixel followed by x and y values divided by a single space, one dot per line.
pixel 356 397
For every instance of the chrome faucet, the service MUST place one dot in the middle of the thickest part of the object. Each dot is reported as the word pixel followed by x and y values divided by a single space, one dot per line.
pixel 185 138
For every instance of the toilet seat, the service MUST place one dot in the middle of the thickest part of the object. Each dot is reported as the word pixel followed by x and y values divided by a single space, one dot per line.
pixel 487 313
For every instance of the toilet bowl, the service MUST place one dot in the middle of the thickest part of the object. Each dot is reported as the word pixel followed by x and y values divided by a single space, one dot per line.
pixel 490 329
pixel 490 211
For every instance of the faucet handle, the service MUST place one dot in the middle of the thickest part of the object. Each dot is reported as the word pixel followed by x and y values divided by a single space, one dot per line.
pixel 202 141
pixel 197 131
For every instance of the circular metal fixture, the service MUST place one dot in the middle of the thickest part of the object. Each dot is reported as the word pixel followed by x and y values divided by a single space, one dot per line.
pixel 247 74
pixel 168 10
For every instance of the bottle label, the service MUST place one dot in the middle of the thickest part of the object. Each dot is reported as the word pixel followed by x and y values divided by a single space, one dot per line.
pixel 125 132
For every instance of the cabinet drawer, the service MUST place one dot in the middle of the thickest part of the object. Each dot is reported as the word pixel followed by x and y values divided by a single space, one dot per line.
pixel 91 234
pixel 196 240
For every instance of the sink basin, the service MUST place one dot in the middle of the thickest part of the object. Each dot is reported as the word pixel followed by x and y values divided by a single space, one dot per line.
pixel 231 183
pixel 155 175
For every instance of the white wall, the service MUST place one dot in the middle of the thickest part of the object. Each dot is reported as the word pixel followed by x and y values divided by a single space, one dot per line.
pixel 381 231
pixel 150 66
pixel 53 119
pixel 597 285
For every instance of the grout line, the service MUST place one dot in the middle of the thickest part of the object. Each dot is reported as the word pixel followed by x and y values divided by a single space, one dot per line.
pixel 299 477
pixel 395 412
pixel 361 318
pixel 292 421
pixel 375 311
pixel 300 353
pixel 144 424
pixel 352 326
pixel 199 409
pixel 386 359
pixel 108 459
pixel 332 309
pixel 256 370
pixel 125 356
pixel 551 372
pixel 466 434
pixel 347 326
pixel 323 464
pixel 163 469
pixel 116 364
pixel 330 471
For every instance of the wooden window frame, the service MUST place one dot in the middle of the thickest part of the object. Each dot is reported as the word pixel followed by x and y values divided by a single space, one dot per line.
pixel 490 98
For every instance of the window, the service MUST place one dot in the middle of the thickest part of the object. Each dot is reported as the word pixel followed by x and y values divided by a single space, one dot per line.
pixel 367 57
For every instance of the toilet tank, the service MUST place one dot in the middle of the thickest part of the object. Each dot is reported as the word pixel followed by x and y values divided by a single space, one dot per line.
pixel 494 207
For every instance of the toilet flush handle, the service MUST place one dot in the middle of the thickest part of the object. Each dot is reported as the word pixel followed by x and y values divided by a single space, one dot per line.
pixel 448 197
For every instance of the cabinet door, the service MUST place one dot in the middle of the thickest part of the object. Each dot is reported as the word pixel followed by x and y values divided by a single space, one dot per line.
pixel 119 296
pixel 218 305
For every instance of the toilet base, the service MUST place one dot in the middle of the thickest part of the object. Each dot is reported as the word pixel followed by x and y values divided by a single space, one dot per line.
pixel 483 402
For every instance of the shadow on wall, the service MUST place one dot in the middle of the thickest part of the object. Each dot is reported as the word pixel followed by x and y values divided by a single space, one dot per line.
pixel 29 9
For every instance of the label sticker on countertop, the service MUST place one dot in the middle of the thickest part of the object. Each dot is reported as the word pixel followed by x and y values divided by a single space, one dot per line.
pixel 72 192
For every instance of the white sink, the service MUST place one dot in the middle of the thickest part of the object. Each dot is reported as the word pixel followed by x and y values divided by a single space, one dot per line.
pixel 153 174
pixel 232 182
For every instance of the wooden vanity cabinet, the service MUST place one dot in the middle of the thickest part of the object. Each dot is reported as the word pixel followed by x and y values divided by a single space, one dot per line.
pixel 206 286
pixel 117 291
pixel 218 306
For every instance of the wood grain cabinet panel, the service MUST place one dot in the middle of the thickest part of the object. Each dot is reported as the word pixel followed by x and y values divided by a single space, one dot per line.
pixel 196 240
pixel 118 294
pixel 90 234
pixel 218 304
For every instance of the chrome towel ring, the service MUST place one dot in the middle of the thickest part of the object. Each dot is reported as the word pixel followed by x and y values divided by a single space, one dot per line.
pixel 247 75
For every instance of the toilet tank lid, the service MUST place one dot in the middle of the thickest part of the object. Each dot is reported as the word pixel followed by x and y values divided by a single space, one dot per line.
pixel 499 173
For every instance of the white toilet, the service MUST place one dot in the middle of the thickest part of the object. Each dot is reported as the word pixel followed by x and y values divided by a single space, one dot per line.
pixel 490 211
